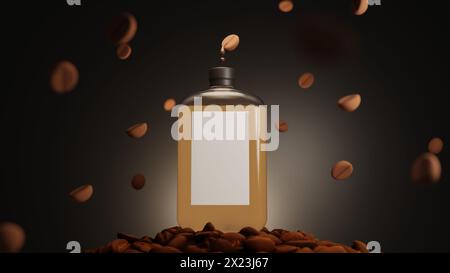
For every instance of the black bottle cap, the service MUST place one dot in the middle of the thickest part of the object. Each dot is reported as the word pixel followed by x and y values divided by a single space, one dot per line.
pixel 221 76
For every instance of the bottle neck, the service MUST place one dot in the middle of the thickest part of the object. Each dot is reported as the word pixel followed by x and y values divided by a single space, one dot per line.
pixel 220 83
pixel 221 77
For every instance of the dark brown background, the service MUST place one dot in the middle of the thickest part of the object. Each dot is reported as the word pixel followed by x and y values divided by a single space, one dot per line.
pixel 396 56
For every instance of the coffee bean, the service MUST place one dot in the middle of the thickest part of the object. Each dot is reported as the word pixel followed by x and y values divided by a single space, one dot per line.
pixel 350 250
pixel 142 246
pixel 82 194
pixel 304 250
pixel 123 51
pixel 350 103
pixel 308 236
pixel 276 233
pixel 359 7
pixel 122 28
pixel 272 237
pixel 264 229
pixel 12 237
pixel 342 170
pixel 435 145
pixel 426 169
pixel 189 236
pixel 306 80
pixel 138 130
pixel 259 243
pixel 302 243
pixel 105 249
pixel 248 231
pixel 119 245
pixel 169 104
pixel 234 238
pixel 285 249
pixel 291 236
pixel 327 243
pixel 219 232
pixel 156 245
pixel 285 5
pixel 222 245
pixel 146 239
pixel 173 230
pixel 163 237
pixel 199 236
pixel 209 227
pixel 186 230
pixel 195 249
pixel 179 242
pixel 231 42
pixel 132 251
pixel 360 246
pixel 282 126
pixel 129 238
pixel 138 181
pixel 329 249
pixel 279 230
pixel 165 249
pixel 64 77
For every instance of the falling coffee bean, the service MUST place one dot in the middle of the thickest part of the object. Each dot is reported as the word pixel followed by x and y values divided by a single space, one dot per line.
pixel 122 28
pixel 138 130
pixel 169 104
pixel 435 145
pixel 64 77
pixel 230 42
pixel 426 169
pixel 12 237
pixel 342 170
pixel 82 194
pixel 123 51
pixel 285 5
pixel 359 7
pixel 138 181
pixel 306 80
pixel 282 126
pixel 350 103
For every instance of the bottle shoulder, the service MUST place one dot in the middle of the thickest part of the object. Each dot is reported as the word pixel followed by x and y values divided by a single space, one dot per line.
pixel 224 96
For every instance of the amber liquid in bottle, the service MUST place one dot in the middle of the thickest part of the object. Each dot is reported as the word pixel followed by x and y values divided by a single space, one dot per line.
pixel 223 182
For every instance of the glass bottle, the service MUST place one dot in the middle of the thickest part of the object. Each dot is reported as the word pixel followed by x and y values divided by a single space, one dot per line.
pixel 223 181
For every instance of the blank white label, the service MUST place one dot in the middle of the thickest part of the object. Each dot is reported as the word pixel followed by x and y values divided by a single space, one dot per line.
pixel 220 168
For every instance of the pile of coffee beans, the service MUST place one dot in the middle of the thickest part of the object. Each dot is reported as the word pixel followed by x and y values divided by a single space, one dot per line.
pixel 210 240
